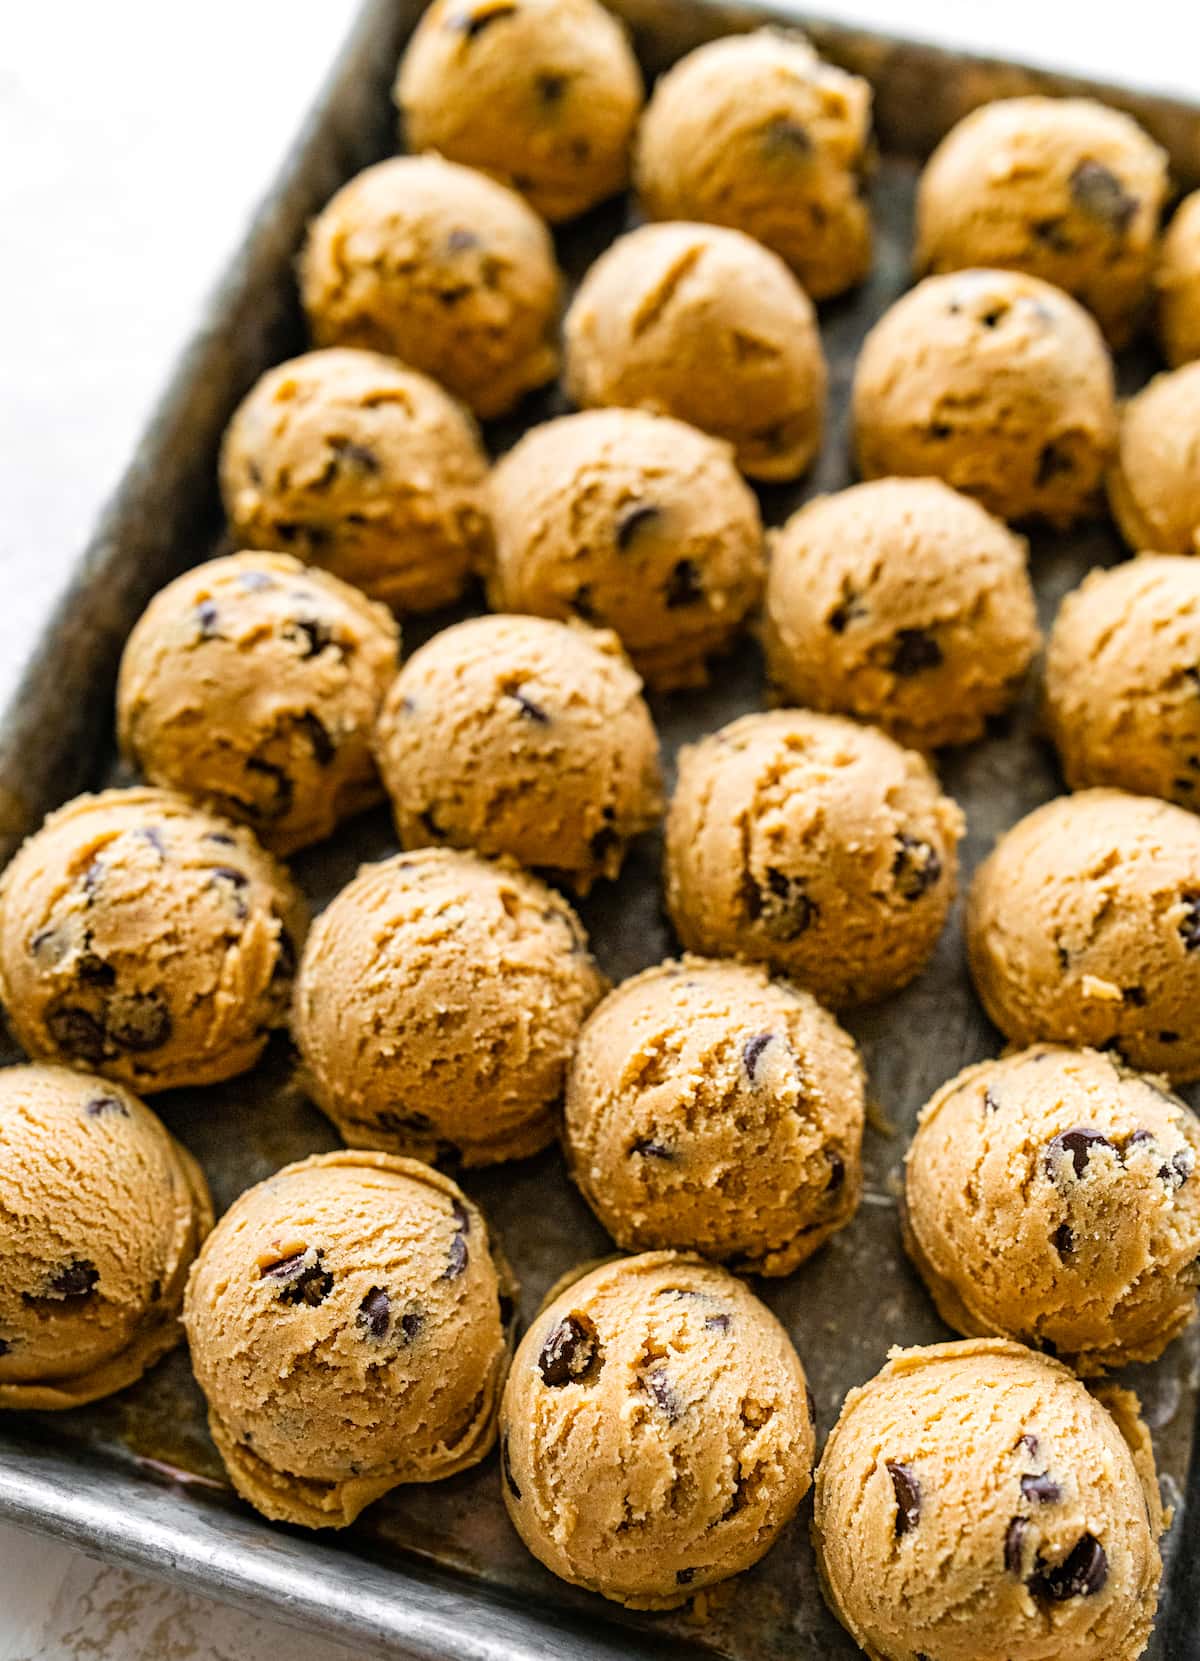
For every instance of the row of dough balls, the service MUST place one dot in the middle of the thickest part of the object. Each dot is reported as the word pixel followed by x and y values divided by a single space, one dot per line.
pixel 650 1372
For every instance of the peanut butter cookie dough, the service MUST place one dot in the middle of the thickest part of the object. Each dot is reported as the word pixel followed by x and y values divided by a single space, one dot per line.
pixel 633 521
pixel 1122 695
pixel 101 1213
pixel 443 268
pixel 714 1109
pixel 1052 1197
pixel 813 844
pixel 1178 284
pixel 655 1432
pixel 253 683
pixel 995 382
pixel 514 735
pixel 347 1322
pixel 1063 188
pixel 757 133
pixel 904 603
pixel 1154 482
pixel 148 940
pixel 976 1500
pixel 437 1004
pixel 705 324
pixel 1083 927
pixel 363 467
pixel 542 94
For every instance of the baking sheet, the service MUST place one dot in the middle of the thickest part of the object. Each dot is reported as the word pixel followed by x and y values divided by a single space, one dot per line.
pixel 437 1571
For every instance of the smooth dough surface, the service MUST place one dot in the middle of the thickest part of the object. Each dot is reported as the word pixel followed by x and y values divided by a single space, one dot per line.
pixel 437 1004
pixel 813 844
pixel 995 382
pixel 975 1500
pixel 101 1214
pixel 1052 1197
pixel 347 1321
pixel 1154 481
pixel 1177 281
pixel 656 1433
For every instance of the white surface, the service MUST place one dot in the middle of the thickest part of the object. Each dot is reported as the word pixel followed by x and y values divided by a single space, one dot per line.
pixel 135 138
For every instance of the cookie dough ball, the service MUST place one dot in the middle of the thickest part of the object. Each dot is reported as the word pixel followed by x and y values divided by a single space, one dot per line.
pixel 634 521
pixel 513 735
pixel 1052 1197
pixel 712 1108
pixel 147 939
pixel 443 268
pixel 815 845
pixel 541 94
pixel 1154 482
pixel 1178 285
pixel 1122 700
pixel 655 1431
pixel 1083 927
pixel 253 683
pixel 364 467
pixel 755 132
pixel 707 325
pixel 101 1213
pixel 347 1325
pixel 1063 188
pixel 903 603
pixel 996 383
pixel 438 1001
pixel 976 1500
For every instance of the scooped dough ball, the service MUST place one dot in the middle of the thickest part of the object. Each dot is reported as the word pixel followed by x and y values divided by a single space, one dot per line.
pixel 1123 679
pixel 1083 927
pixel 815 845
pixel 363 467
pixel 634 521
pixel 712 1108
pixel 443 268
pixel 1052 1197
pixel 655 1431
pixel 755 132
pixel 903 603
pixel 147 939
pixel 1178 284
pixel 1154 482
pixel 253 683
pixel 707 325
pixel 976 1500
pixel 1063 188
pixel 513 735
pixel 101 1213
pixel 438 1001
pixel 541 94
pixel 347 1325
pixel 996 383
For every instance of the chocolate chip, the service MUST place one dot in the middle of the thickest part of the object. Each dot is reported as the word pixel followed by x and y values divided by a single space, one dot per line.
pixel 684 587
pixel 1051 234
pixel 837 1171
pixel 396 1123
pixel 582 604
pixel 684 1577
pixel 652 1150
pixel 782 137
pixel 1080 1142
pixel 357 455
pixel 98 1106
pixel 317 733
pixel 1136 1138
pixel 411 1323
pixel 1029 1442
pixel 506 1467
pixel 1178 1169
pixel 206 621
pixel 1189 928
pixel 659 1386
pixel 914 650
pixel 1041 1489
pixel 1135 996
pixel 1063 1240
pixel 94 971
pixel 138 1021
pixel 571 1349
pixel 1097 190
pixel 76 1032
pixel 1081 1574
pixel 472 24
pixel 848 610
pixel 92 878
pixel 281 791
pixel 1014 1539
pixel 314 635
pixel 1053 462
pixel 908 1496
pixel 374 1312
pixel 255 582
pixel 550 89
pixel 633 521
pixel 720 1322
pixel 222 838
pixel 916 867
pixel 783 906
pixel 461 240
pixel 530 710
pixel 460 1253
pixel 752 1052
pixel 152 836
pixel 1166 1036
pixel 303 1282
pixel 1062 954
pixel 74 1280
pixel 231 885
pixel 990 1102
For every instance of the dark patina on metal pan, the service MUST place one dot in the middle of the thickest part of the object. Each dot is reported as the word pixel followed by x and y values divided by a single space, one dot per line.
pixel 437 1572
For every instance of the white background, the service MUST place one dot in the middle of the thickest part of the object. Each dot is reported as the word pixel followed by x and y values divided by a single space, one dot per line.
pixel 135 137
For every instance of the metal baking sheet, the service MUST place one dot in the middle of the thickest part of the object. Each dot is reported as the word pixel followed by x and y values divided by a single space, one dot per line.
pixel 437 1572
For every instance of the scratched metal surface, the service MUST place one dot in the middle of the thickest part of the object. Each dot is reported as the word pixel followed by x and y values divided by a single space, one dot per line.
pixel 437 1571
